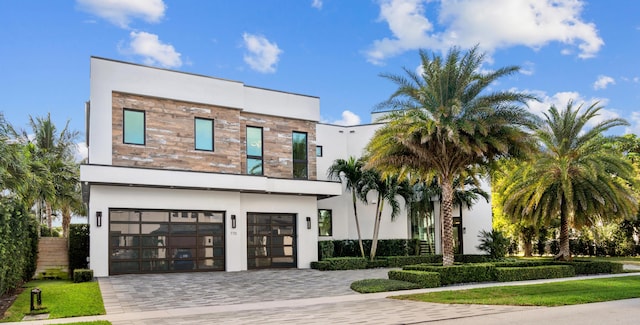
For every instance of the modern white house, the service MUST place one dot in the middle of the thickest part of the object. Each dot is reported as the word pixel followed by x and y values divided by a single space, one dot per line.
pixel 193 173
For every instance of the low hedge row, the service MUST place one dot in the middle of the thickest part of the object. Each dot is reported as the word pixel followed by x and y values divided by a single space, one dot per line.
pixel 594 267
pixel 504 274
pixel 421 278
pixel 479 272
pixel 340 263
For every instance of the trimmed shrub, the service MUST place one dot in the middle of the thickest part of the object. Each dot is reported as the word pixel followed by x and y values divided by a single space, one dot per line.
pixel 524 263
pixel 458 273
pixel 381 285
pixel 473 258
pixel 377 263
pixel 399 261
pixel 421 278
pixel 82 275
pixel 386 247
pixel 340 263
pixel 78 246
pixel 504 274
pixel 325 249
pixel 594 267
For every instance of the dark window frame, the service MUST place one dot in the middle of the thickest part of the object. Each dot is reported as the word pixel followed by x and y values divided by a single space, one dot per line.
pixel 195 137
pixel 330 232
pixel 306 151
pixel 144 126
pixel 319 153
pixel 261 157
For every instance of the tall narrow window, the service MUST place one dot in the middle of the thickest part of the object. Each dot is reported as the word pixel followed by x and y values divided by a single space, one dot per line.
pixel 254 150
pixel 203 134
pixel 133 127
pixel 318 151
pixel 300 155
pixel 324 222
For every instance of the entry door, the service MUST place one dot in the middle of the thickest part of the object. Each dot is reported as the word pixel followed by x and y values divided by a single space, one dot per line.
pixel 271 240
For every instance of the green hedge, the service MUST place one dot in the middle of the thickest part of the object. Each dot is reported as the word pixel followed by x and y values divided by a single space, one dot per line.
pixel 399 261
pixel 504 274
pixel 82 275
pixel 458 273
pixel 78 246
pixel 340 263
pixel 381 285
pixel 423 279
pixel 351 248
pixel 18 244
pixel 594 267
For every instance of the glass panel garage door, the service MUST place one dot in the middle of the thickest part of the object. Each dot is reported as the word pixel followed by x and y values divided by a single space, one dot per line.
pixel 271 240
pixel 150 241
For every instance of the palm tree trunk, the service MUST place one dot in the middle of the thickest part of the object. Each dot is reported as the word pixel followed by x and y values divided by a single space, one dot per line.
pixel 376 227
pixel 447 222
pixel 565 251
pixel 355 214
pixel 49 213
pixel 66 220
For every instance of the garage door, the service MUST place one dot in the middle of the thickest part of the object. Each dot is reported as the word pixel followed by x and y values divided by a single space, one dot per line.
pixel 150 241
pixel 271 240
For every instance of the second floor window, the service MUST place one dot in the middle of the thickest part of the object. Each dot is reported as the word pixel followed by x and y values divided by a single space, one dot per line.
pixel 300 155
pixel 133 127
pixel 203 130
pixel 254 150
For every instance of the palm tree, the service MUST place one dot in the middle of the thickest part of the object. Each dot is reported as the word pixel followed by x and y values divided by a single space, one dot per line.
pixel 13 166
pixel 576 177
pixel 48 153
pixel 387 190
pixel 445 124
pixel 350 173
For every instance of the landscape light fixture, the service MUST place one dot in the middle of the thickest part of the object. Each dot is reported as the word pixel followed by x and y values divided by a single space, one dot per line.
pixel 233 221
pixel 308 222
pixel 99 218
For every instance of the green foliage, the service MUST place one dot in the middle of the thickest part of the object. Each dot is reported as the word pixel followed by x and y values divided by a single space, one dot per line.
pixel 377 263
pixel 458 273
pixel 493 243
pixel 78 246
pixel 18 244
pixel 325 249
pixel 62 298
pixel 381 285
pixel 82 275
pixel 545 294
pixel 398 261
pixel 340 263
pixel 421 278
pixel 504 274
pixel 386 247
pixel 49 232
pixel 594 267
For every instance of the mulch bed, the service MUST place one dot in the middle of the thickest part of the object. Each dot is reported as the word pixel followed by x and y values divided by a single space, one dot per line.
pixel 7 299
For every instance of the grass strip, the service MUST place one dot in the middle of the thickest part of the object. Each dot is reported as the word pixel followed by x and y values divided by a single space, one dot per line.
pixel 545 294
pixel 61 298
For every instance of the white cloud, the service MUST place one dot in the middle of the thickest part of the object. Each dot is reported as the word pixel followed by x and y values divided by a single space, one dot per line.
pixel 561 99
pixel 528 68
pixel 635 123
pixel 82 152
pixel 503 23
pixel 603 82
pixel 348 118
pixel 121 12
pixel 153 51
pixel 263 55
pixel 317 4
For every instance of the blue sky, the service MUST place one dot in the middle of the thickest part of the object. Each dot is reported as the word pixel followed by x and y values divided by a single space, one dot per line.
pixel 333 49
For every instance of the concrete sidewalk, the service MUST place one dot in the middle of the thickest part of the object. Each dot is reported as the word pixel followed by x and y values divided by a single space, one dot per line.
pixel 369 309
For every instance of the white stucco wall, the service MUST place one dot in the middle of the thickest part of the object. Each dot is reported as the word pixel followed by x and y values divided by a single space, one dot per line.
pixel 104 197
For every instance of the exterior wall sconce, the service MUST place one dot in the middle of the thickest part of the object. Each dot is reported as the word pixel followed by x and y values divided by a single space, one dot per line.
pixel 99 218
pixel 233 221
pixel 308 222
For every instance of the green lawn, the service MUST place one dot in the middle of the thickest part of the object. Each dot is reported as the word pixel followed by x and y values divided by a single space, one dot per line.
pixel 546 294
pixel 61 298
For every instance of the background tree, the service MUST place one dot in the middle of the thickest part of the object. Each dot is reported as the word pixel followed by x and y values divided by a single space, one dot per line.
pixel 350 173
pixel 388 189
pixel 445 123
pixel 576 177
pixel 49 153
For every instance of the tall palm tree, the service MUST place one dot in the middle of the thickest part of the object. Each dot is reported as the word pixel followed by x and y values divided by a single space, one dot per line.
pixel 576 177
pixel 48 151
pixel 387 189
pixel 445 123
pixel 13 166
pixel 350 173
